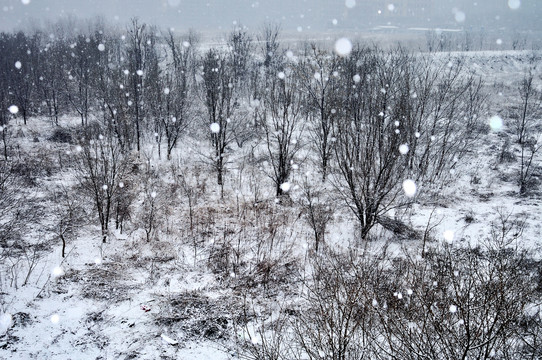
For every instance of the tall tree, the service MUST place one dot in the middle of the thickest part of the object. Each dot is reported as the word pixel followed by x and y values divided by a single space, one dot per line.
pixel 283 124
pixel 319 78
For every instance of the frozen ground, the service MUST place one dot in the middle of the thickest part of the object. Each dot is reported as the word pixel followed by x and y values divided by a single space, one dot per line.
pixel 129 299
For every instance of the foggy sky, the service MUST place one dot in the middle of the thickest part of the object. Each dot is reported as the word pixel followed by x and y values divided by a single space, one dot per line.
pixel 293 15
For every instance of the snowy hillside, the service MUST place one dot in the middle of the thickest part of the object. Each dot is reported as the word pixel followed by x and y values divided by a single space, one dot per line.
pixel 164 201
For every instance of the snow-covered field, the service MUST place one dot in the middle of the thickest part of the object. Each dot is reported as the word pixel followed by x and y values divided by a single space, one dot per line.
pixel 168 299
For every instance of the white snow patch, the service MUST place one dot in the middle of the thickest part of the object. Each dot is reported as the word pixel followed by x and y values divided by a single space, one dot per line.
pixel 448 235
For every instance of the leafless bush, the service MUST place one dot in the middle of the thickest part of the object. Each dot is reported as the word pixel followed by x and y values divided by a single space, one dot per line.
pixel 337 320
pixel 265 336
pixel 458 302
pixel 454 303
pixel 156 198
pixel 70 215
pixel 318 212
pixel 506 155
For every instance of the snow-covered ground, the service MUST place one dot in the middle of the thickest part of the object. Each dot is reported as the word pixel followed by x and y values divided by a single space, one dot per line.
pixel 133 299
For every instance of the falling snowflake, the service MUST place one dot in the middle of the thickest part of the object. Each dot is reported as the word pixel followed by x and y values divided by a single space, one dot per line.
pixel 285 186
pixel 166 91
pixel 343 47
pixel 281 75
pixel 357 78
pixel 215 128
pixel 14 109
pixel 18 64
pixel 350 3
pixel 460 16
pixel 495 123
pixel 139 72
pixel 403 149
pixel 55 318
pixel 453 309
pixel 101 47
pixel 409 187
pixel 514 4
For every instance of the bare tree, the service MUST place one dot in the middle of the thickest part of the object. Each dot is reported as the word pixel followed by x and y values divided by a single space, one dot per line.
pixel 524 122
pixel 283 125
pixel 138 37
pixel 269 38
pixel 178 86
pixel 371 168
pixel 319 78
pixel 101 165
pixel 530 105
pixel 22 86
pixel 529 148
pixel 70 216
pixel 221 98
pixel 403 117
pixel 82 64
pixel 112 87
pixel 50 76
